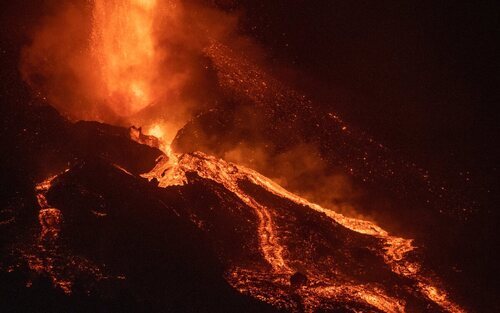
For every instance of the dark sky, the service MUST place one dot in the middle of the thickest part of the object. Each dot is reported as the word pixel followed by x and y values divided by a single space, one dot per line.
pixel 421 76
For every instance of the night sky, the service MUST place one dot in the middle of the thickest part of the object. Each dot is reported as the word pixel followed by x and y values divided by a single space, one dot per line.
pixel 420 76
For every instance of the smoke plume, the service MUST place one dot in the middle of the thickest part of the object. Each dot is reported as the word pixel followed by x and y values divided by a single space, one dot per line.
pixel 127 61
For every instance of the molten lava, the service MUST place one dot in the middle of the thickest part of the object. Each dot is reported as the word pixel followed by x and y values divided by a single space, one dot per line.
pixel 124 44
pixel 44 260
pixel 171 170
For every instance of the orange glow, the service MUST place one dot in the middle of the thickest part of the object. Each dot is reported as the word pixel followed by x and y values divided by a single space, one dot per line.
pixel 124 45
pixel 125 62
pixel 164 133
pixel 48 256
pixel 129 76
pixel 171 171
pixel 156 131
pixel 50 218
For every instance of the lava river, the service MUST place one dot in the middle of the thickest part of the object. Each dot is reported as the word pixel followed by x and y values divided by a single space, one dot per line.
pixel 340 259
pixel 272 245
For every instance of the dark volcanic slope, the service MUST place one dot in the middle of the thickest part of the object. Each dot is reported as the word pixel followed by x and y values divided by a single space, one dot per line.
pixel 308 257
pixel 97 238
pixel 93 235
pixel 454 219
pixel 105 235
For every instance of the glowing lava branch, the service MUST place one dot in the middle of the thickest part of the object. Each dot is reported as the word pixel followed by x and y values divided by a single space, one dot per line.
pixel 50 220
pixel 170 171
pixel 49 256
pixel 123 43
pixel 394 253
pixel 395 250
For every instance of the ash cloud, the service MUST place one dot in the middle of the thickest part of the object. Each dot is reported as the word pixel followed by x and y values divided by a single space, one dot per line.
pixel 61 63
pixel 301 170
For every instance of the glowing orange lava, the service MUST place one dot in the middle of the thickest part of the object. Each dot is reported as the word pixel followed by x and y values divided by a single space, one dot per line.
pixel 394 254
pixel 48 256
pixel 124 44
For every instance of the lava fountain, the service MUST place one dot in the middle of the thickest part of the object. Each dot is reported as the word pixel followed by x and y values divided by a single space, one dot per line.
pixel 124 45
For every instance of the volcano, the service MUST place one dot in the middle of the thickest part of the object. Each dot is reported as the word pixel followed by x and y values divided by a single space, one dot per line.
pixel 156 158
pixel 118 224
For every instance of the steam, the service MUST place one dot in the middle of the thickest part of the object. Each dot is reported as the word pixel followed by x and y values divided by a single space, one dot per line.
pixel 302 171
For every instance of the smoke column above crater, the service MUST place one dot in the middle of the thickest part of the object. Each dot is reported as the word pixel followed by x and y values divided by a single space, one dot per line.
pixel 126 62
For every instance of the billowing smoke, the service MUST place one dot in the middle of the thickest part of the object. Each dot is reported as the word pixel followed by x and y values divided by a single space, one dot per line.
pixel 301 170
pixel 126 61
pixel 58 66
pixel 156 64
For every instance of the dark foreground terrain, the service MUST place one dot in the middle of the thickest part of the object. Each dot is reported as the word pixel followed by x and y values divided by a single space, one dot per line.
pixel 82 230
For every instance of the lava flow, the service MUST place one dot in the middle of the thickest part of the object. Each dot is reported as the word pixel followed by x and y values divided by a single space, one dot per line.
pixel 44 259
pixel 50 218
pixel 294 254
pixel 172 169
pixel 48 255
